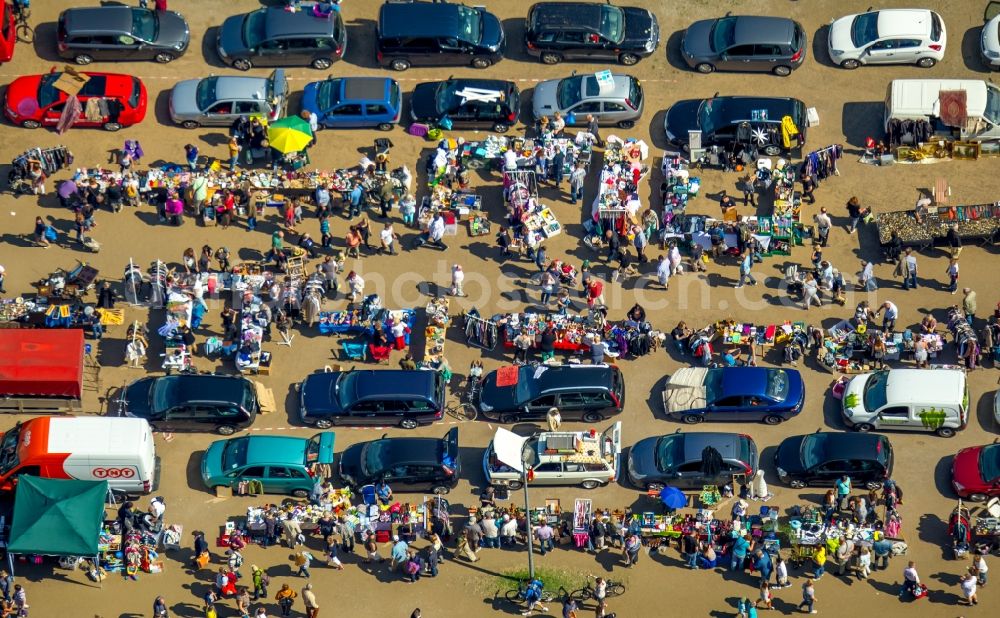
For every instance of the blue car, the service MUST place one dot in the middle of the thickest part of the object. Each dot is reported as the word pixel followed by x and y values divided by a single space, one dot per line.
pixel 697 394
pixel 354 102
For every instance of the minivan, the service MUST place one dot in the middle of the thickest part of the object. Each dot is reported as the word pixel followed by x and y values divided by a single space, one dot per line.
pixel 369 397
pixel 437 34
pixel 727 120
pixel 274 37
pixel 588 393
pixel 909 399
pixel 354 102
pixel 920 100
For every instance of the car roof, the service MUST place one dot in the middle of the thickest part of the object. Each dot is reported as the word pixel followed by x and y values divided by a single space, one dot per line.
pixel 621 90
pixel 197 387
pixel 418 19
pixel 740 108
pixel 364 88
pixel 392 384
pixel 275 450
pixel 919 386
pixel 569 376
pixel 752 29
pixel 412 450
pixel 279 22
pixel 240 87
pixel 743 380
pixel 565 14
pixel 98 19
pixel 505 88
pixel 904 22
pixel 728 444
pixel 841 445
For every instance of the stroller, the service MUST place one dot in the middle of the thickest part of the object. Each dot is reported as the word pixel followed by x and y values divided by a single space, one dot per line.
pixel 960 531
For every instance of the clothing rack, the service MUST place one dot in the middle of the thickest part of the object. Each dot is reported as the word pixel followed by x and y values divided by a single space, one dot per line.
pixel 52 159
pixel 480 332
pixel 822 163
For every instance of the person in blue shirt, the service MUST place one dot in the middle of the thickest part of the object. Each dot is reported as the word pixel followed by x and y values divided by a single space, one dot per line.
pixel 400 552
pixel 738 552
pixel 383 492
pixel 533 596
pixel 355 197
pixel 843 491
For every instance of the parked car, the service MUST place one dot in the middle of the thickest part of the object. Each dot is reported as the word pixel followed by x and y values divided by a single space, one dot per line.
pixel 562 458
pixel 890 36
pixel 576 96
pixel 8 28
pixel 119 32
pixel 274 37
pixel 823 457
pixel 408 464
pixel 745 43
pixel 467 103
pixel 192 402
pixel 368 397
pixel 437 34
pixel 594 31
pixel 908 399
pixel 677 460
pixel 721 121
pixel 217 101
pixel 975 472
pixel 989 43
pixel 742 394
pixel 581 392
pixel 119 100
pixel 281 464
pixel 351 102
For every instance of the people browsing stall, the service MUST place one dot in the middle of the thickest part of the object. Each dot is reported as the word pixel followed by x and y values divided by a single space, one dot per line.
pixel 952 272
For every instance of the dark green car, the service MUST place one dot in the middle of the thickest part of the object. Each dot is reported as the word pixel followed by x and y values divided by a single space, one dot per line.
pixel 282 464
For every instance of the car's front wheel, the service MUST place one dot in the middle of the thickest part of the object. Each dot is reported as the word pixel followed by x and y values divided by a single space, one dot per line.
pixel 225 430
pixel 590 484
pixel 797 484
pixel 550 58
pixel 626 124
pixel 440 490
pixel 300 493
pixel 321 64
pixel 481 63
pixel 190 124
pixel 945 432
pixel 385 126
pixel 408 423
pixel 628 59
pixel 324 423
pixel 242 64
pixel 693 419
pixel 112 126
pixel 501 127
pixel 514 485
pixel 592 417
pixel 977 498
pixel 508 419
pixel 30 124
pixel 705 67
pixel 654 486
pixel 83 59
pixel 926 63
pixel 863 427
pixel 782 71
pixel 772 419
pixel 850 64
pixel 399 64
pixel 163 57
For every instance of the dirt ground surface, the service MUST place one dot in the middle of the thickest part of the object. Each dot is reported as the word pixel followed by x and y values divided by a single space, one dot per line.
pixel 850 108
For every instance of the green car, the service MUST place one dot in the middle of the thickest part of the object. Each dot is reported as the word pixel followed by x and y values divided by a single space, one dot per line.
pixel 281 464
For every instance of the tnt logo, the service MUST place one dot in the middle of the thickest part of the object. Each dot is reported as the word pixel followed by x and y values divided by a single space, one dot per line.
pixel 113 473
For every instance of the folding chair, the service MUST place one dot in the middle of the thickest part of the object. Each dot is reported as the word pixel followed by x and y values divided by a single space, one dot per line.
pixel 380 354
pixel 353 351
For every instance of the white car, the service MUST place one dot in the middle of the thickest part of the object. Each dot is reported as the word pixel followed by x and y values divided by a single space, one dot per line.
pixel 892 36
pixel 989 43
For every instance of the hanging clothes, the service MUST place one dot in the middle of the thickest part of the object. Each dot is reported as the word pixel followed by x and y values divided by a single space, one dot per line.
pixel 70 114
pixel 92 110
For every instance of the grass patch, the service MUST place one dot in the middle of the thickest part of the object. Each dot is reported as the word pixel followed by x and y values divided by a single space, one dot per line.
pixel 552 578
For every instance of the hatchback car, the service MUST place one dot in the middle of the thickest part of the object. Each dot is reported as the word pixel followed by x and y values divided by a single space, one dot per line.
pixel 217 101
pixel 989 38
pixel 118 32
pixel 823 457
pixel 408 464
pixel 367 397
pixel 583 458
pixel 975 472
pixel 437 34
pixel 745 43
pixel 619 103
pixel 192 402
pixel 679 460
pixel 557 31
pixel 891 36
pixel 281 464
pixel 726 121
pixel 116 100
pixel 581 392
pixel 742 394
pixel 8 29
pixel 272 36
pixel 352 102
pixel 467 103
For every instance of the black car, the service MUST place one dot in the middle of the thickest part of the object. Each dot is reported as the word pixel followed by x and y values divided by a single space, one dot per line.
pixel 727 121
pixel 274 37
pixel 437 34
pixel 408 464
pixel 679 460
pixel 821 458
pixel 557 31
pixel 192 402
pixel 367 397
pixel 581 392
pixel 745 43
pixel 467 103
pixel 118 32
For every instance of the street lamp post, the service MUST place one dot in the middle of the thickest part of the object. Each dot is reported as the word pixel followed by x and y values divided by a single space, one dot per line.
pixel 527 518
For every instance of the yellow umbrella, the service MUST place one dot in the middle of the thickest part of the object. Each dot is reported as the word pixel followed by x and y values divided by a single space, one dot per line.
pixel 290 134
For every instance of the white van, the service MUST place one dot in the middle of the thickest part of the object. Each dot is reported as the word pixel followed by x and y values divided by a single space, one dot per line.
pixel 117 450
pixel 919 99
pixel 910 399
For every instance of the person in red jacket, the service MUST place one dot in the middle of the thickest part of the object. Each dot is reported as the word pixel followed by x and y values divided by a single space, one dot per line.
pixel 595 293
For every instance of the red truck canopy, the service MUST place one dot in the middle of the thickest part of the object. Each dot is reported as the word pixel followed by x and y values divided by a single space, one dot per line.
pixel 41 363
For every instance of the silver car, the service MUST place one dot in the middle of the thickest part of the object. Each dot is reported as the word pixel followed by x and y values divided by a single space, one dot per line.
pixel 217 101
pixel 617 101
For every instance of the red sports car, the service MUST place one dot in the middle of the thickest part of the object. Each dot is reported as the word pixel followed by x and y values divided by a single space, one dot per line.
pixel 108 100
pixel 7 29
pixel 975 472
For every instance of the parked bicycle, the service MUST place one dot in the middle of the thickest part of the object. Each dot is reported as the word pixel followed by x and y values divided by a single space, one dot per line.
pixel 520 594
pixel 23 30
pixel 588 592
pixel 467 408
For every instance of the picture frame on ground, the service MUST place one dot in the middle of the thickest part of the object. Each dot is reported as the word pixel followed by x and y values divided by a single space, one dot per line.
pixel 989 149
pixel 968 151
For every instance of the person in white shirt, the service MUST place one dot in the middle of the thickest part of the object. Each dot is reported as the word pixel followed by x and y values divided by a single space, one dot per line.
pixel 436 231
pixel 968 584
pixel 510 160
pixel 867 277
pixel 157 506
pixel 910 578
pixel 457 279
pixel 979 564
pixel 387 236
pixel 891 312
pixel 663 271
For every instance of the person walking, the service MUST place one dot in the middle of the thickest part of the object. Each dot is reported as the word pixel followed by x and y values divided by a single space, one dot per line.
pixel 746 263
pixel 285 598
pixel 293 532
pixel 819 562
pixel 309 600
pixel 864 563
pixel 457 280
pixel 843 487
pixel 160 608
pixel 630 550
pixel 544 533
pixel 554 419
pixel 302 560
pixel 577 179
pixel 909 269
pixel 968 584
pixel 388 239
pixel 594 129
pixel 854 212
pixel 663 271
pixel 969 304
pixel 952 272
pixel 823 225
pixel 808 186
pixel 234 152
pixel 808 597
pixel 676 262
pixel 889 312
pixel 911 579
pixel 260 581
pixel 20 599
pixel 191 155
pixel 6 585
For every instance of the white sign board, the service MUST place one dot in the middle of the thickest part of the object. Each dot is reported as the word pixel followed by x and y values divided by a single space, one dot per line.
pixel 605 82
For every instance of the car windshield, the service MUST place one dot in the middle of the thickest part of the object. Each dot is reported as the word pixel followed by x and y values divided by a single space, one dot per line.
pixel 343 389
pixel 612 23
pixel 470 24
pixel 8 449
pixel 444 98
pixel 669 452
pixel 989 462
pixel 777 384
pixel 992 104
pixel 327 93
pixel 709 116
pixel 721 36
pixel 530 453
pixel 568 91
pixel 234 454
pixel 47 93
pixel 635 93
pixel 713 385
pixel 373 457
pixel 874 395
pixel 205 93
pixel 813 450
pixel 164 393
pixel 864 30
pixel 144 24
pixel 253 28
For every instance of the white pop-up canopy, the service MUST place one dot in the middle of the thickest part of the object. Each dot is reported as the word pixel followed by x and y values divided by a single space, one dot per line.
pixel 509 448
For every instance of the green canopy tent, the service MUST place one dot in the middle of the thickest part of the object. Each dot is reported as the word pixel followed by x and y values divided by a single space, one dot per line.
pixel 54 517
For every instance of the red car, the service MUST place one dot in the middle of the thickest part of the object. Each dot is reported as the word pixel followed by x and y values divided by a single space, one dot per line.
pixel 975 472
pixel 33 101
pixel 7 36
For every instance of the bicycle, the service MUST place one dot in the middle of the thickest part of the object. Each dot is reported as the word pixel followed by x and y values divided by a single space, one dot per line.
pixel 614 589
pixel 23 30
pixel 516 595
pixel 466 409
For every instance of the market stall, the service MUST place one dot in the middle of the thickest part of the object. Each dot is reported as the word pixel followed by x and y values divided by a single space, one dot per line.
pixel 41 371
pixel 438 320
pixel 978 223
pixel 574 334
pixel 617 202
